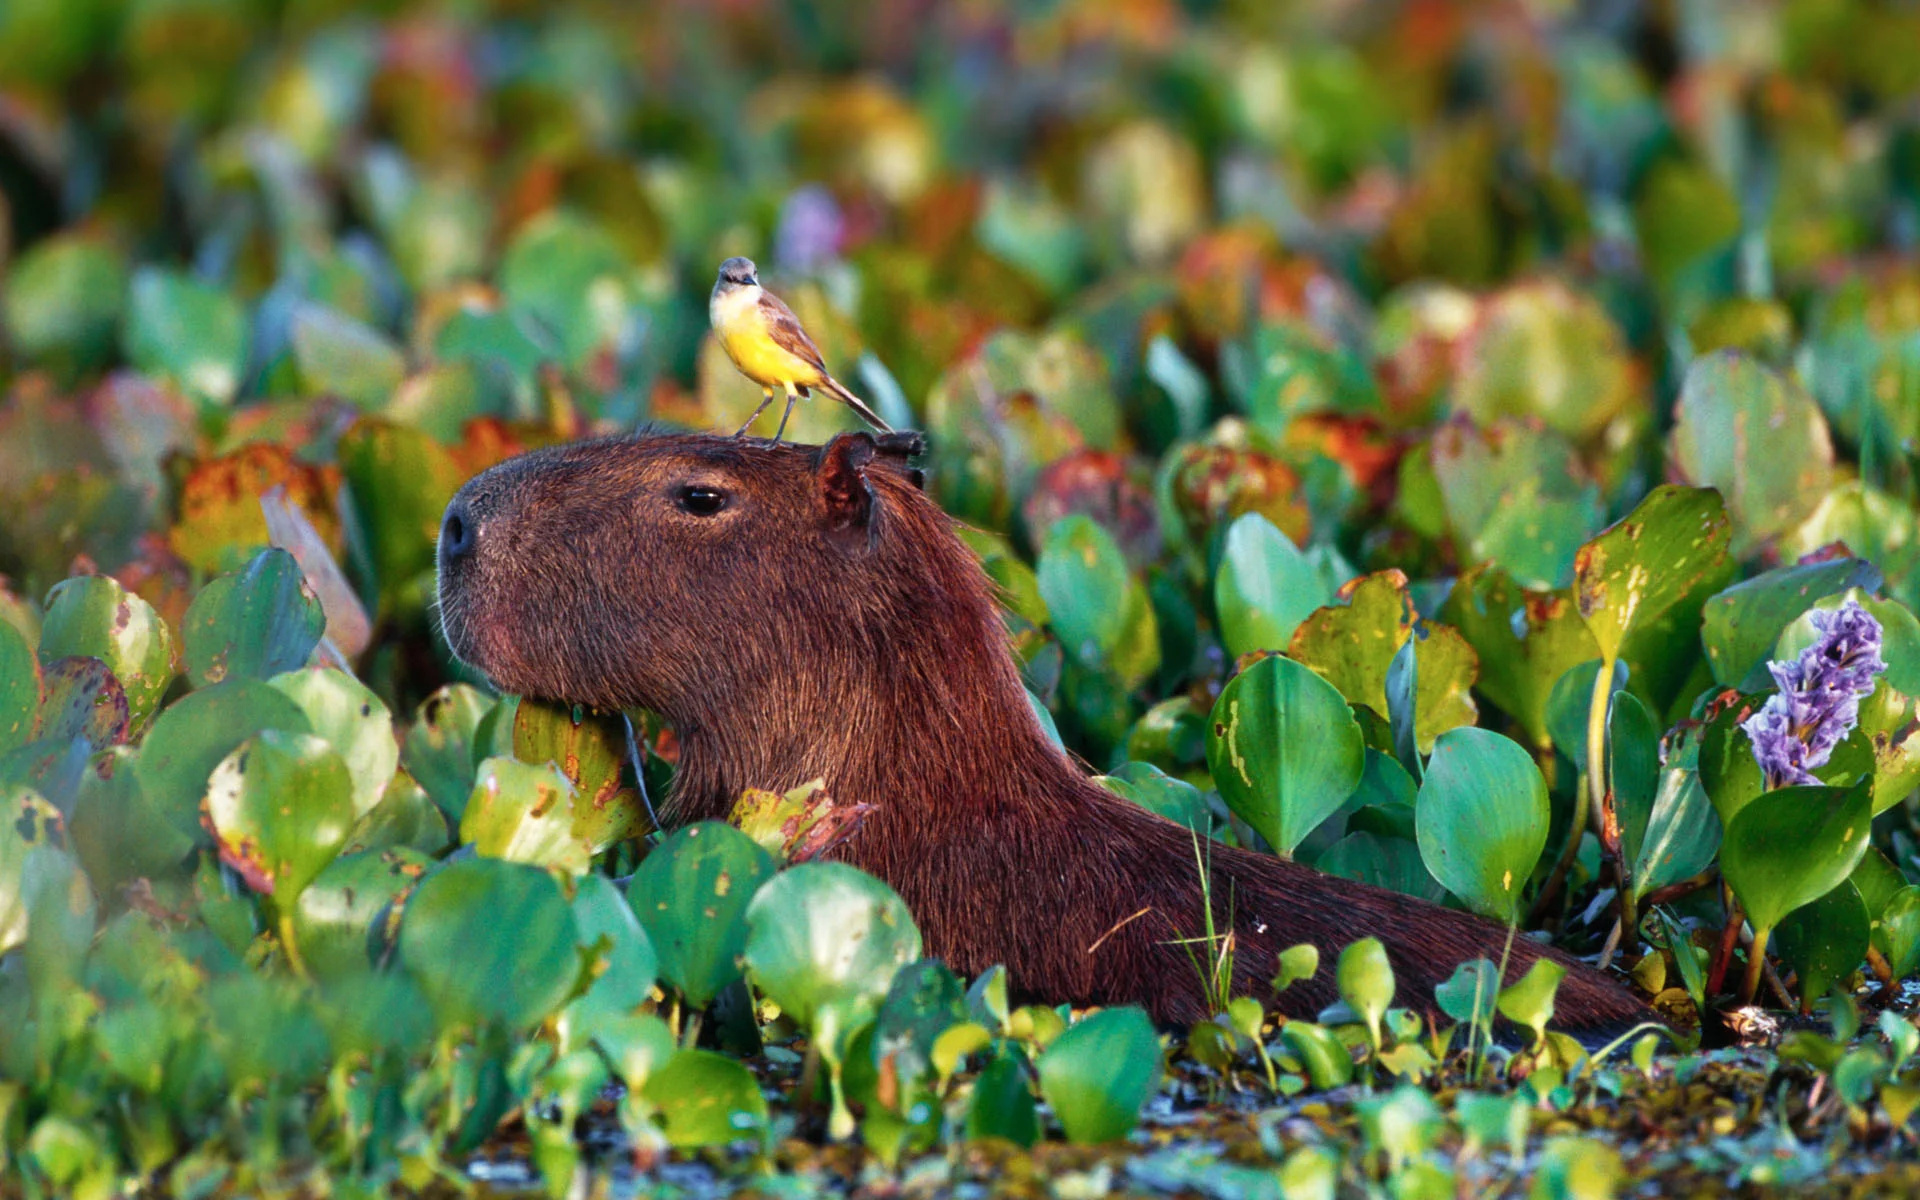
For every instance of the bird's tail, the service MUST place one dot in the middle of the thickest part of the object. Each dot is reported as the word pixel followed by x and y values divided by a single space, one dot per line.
pixel 840 392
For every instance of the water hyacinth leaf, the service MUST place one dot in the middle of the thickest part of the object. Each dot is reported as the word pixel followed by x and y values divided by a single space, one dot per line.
pixel 1525 640
pixel 569 275
pixel 589 747
pixel 489 940
pixel 1393 863
pixel 1284 750
pixel 339 356
pixel 1296 963
pixel 19 689
pixel 280 808
pixel 1792 845
pixel 354 721
pixel 252 624
pixel 1352 646
pixel 1529 1000
pixel 524 813
pixel 440 752
pixel 29 828
pixel 115 833
pixel 1470 994
pixel 1365 979
pixel 94 616
pixel 1083 579
pixel 1100 1072
pixel 334 913
pixel 1578 1168
pixel 824 941
pixel 1728 770
pixel 705 1099
pixel 1514 495
pixel 194 734
pixel 1158 792
pixel 1633 770
pixel 1758 438
pixel 1897 932
pixel 1648 561
pixel 404 816
pixel 691 894
pixel 1264 588
pixel 924 1000
pixel 620 960
pixel 63 301
pixel 1571 703
pixel 398 481
pixel 1741 626
pixel 1680 835
pixel 1825 939
pixel 82 700
pixel 289 528
pixel 186 331
pixel 1002 1104
pixel 1325 1057
pixel 1482 819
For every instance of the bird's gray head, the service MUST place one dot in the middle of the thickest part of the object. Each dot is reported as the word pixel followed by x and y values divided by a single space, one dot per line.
pixel 738 272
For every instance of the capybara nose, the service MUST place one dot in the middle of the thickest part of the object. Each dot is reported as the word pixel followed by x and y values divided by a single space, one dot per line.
pixel 457 531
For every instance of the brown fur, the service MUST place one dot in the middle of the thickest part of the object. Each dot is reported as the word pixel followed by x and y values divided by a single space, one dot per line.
pixel 828 623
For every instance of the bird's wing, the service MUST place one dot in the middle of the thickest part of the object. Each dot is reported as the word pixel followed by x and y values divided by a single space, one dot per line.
pixel 784 328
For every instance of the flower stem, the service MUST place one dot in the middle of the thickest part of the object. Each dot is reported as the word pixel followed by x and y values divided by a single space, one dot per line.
pixel 1600 787
pixel 1756 961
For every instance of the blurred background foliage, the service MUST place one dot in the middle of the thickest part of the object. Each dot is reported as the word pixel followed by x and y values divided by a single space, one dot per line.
pixel 1436 290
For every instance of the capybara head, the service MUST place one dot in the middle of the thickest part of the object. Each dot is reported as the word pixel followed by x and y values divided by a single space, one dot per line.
pixel 678 572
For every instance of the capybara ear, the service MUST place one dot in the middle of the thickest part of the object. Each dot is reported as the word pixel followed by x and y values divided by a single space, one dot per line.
pixel 846 498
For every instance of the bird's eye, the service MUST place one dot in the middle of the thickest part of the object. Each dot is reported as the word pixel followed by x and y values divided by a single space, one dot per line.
pixel 700 500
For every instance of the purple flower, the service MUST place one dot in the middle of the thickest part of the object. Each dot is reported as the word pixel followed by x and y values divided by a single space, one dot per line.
pixel 811 227
pixel 1818 703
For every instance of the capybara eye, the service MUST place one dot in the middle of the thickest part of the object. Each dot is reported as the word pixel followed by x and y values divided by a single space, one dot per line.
pixel 700 501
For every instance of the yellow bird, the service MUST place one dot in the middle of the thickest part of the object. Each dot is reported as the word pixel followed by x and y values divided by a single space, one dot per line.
pixel 764 339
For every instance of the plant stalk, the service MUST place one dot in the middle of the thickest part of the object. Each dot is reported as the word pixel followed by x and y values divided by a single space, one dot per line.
pixel 1756 960
pixel 1600 786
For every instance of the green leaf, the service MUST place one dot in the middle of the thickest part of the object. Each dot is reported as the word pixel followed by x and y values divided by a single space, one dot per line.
pixel 924 1000
pixel 1297 963
pixel 82 700
pixel 440 748
pixel 1471 993
pixel 195 733
pixel 1526 640
pixel 398 482
pixel 1681 834
pixel 1284 750
pixel 1899 928
pixel 1758 438
pixel 116 834
pixel 1384 861
pixel 1577 1168
pixel 1352 645
pixel 1002 1104
pixel 254 623
pixel 338 356
pixel 706 1099
pixel 19 689
pixel 588 747
pixel 620 959
pixel 280 807
pixel 355 722
pixel 570 275
pixel 824 941
pixel 523 813
pixel 1265 587
pixel 1514 495
pixel 335 913
pixel 94 616
pixel 1572 703
pixel 1365 978
pixel 489 940
pixel 1647 562
pixel 1328 1063
pixel 1100 1072
pixel 1633 770
pixel 1793 845
pixel 1084 580
pixel 691 894
pixel 1529 1000
pixel 29 834
pixel 63 299
pixel 1825 940
pixel 1741 625
pixel 1482 819
pixel 187 331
